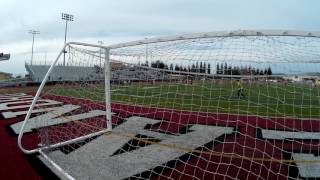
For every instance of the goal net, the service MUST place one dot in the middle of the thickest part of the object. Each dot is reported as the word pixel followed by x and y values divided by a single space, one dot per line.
pixel 234 105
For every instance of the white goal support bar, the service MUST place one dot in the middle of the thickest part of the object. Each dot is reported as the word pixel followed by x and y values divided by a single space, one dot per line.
pixel 213 34
pixel 108 104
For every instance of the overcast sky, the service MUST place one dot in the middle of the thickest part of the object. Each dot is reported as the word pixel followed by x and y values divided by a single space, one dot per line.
pixel 123 20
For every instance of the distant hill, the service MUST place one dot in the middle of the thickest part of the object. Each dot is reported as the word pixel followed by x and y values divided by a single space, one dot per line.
pixel 313 74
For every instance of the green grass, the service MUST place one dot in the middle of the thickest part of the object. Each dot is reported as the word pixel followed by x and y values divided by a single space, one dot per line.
pixel 265 100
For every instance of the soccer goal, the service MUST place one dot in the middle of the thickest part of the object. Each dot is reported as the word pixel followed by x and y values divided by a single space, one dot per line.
pixel 233 105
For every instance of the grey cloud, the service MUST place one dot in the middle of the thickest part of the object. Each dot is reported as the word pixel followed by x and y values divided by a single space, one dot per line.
pixel 122 20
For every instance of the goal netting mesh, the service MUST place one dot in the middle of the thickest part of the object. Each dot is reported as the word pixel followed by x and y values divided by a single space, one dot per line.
pixel 234 107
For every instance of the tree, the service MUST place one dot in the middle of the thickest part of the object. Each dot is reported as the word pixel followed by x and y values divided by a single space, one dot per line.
pixel 171 67
pixel 201 67
pixel 193 68
pixel 218 69
pixel 166 66
pixel 225 68
pixel 197 66
pixel 242 70
pixel 180 68
pixel 176 68
pixel 158 64
pixel 145 64
pixel 249 70
pixel 209 68
pixel 269 71
pixel 261 72
pixel 221 68
pixel 236 70
pixel 257 71
pixel 229 70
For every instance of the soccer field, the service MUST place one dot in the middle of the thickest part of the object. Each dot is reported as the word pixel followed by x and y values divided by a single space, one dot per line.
pixel 279 100
pixel 221 105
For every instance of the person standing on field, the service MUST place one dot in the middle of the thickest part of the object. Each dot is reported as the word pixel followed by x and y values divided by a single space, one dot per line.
pixel 240 90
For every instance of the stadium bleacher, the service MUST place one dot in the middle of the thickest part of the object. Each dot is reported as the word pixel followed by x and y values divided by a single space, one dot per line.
pixel 82 73
pixel 63 73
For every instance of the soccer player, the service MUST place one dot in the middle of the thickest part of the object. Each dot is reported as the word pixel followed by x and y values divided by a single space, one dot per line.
pixel 240 90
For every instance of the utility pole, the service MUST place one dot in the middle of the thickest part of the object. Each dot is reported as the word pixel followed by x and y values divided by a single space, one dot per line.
pixel 66 17
pixel 33 32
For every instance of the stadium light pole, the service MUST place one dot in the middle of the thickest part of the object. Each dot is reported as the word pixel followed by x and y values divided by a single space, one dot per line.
pixel 45 58
pixel 100 43
pixel 147 53
pixel 33 32
pixel 66 17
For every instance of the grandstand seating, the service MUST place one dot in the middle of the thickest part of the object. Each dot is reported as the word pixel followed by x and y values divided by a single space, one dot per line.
pixel 82 73
pixel 63 73
pixel 135 74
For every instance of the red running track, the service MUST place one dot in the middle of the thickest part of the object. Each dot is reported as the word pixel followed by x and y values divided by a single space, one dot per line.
pixel 246 141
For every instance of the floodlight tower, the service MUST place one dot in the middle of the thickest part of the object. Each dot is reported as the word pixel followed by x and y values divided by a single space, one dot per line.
pixel 33 32
pixel 100 43
pixel 147 52
pixel 67 17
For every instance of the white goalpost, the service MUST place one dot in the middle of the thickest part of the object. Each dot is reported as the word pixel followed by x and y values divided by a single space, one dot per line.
pixel 225 104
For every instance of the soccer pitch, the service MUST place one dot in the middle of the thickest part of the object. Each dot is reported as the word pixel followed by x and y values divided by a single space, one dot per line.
pixel 230 104
pixel 275 99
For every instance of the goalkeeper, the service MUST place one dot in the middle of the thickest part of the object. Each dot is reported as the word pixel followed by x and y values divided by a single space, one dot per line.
pixel 240 90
